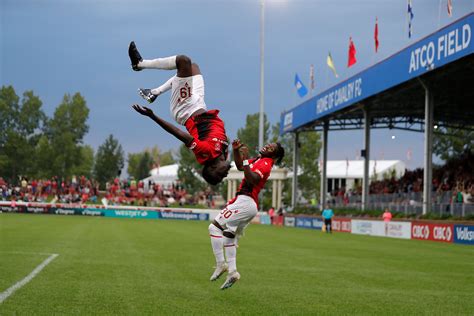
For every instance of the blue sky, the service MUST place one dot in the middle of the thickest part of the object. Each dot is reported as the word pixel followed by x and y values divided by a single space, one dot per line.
pixel 55 47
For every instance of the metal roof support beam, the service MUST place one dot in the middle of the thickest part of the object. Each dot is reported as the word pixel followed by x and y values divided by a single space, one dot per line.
pixel 324 180
pixel 428 144
pixel 365 183
pixel 294 187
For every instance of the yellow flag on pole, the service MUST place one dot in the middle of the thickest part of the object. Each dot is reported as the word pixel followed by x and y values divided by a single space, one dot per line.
pixel 331 65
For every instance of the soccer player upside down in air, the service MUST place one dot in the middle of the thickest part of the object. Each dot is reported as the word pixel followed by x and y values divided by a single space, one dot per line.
pixel 206 135
pixel 230 223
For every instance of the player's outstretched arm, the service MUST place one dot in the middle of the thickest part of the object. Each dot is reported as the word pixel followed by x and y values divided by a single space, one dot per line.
pixel 240 152
pixel 170 128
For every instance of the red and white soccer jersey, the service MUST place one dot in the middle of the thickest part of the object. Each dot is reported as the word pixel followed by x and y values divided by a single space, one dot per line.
pixel 261 166
pixel 210 140
pixel 187 96
pixel 242 209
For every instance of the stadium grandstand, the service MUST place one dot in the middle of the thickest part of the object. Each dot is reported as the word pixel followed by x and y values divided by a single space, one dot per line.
pixel 430 83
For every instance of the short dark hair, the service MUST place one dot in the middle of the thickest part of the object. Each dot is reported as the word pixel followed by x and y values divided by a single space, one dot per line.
pixel 279 153
pixel 209 176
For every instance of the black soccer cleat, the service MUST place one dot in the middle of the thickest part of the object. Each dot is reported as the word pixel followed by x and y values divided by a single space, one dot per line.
pixel 147 95
pixel 135 56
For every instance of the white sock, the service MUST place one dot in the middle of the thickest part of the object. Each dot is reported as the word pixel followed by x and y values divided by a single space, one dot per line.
pixel 163 88
pixel 217 243
pixel 166 63
pixel 230 253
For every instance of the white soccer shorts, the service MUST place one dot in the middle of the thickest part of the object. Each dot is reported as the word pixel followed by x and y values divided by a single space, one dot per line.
pixel 236 216
pixel 187 96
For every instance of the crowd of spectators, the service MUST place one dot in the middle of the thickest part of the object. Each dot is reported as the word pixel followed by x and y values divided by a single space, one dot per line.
pixel 75 190
pixel 452 183
pixel 132 192
pixel 86 191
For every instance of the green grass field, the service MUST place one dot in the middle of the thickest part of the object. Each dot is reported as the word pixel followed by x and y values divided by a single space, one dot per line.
pixel 136 267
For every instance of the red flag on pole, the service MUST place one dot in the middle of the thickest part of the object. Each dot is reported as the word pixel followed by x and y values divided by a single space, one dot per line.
pixel 450 8
pixel 376 35
pixel 352 53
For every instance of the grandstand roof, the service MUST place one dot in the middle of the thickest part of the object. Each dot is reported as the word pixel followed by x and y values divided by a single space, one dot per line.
pixel 392 91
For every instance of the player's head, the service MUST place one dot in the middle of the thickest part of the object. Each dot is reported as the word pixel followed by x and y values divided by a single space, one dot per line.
pixel 216 170
pixel 274 151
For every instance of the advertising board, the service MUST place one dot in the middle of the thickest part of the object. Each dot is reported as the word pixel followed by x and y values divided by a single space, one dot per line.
pixel 309 222
pixel 464 234
pixel 341 225
pixel 372 228
pixel 289 221
pixel 432 231
pixel 398 230
pixel 183 215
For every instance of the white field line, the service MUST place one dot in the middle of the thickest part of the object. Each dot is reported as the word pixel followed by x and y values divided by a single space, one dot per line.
pixel 4 295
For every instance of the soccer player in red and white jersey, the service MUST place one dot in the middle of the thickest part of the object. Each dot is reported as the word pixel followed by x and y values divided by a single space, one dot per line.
pixel 238 213
pixel 206 135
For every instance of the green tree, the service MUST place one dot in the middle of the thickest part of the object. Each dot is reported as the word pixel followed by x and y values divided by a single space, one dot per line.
pixel 309 150
pixel 309 180
pixel 449 143
pixel 109 161
pixel 140 164
pixel 249 133
pixel 43 156
pixel 20 130
pixel 86 163
pixel 66 131
pixel 166 158
pixel 189 170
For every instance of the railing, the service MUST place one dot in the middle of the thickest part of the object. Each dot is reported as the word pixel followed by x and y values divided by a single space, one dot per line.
pixel 408 203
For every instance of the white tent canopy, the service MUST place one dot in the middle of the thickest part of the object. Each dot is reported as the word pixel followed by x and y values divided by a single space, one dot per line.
pixel 165 175
pixel 354 169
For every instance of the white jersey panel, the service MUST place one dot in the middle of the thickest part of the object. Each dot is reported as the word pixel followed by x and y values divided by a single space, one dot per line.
pixel 187 96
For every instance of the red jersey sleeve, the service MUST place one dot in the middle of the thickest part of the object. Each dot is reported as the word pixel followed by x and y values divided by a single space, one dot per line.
pixel 263 167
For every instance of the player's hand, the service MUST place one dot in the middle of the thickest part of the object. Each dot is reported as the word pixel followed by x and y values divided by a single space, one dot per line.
pixel 236 144
pixel 244 152
pixel 143 110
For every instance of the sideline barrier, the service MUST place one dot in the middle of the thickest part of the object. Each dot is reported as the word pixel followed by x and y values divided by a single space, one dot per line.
pixel 464 234
pixel 432 231
pixel 111 211
pixel 265 219
pixel 341 225
pixel 421 230
pixel 309 222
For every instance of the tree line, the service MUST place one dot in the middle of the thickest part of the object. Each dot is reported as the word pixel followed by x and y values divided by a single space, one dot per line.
pixel 34 145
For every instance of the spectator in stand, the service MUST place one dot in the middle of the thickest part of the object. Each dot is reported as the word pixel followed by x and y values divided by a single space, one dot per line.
pixel 327 215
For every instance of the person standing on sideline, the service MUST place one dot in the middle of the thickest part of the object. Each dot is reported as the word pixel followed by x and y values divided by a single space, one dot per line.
pixel 230 223
pixel 387 217
pixel 271 213
pixel 327 215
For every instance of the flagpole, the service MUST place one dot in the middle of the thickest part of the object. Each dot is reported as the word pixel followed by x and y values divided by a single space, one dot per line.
pixel 262 47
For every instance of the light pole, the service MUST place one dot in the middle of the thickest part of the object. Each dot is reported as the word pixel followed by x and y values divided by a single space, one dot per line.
pixel 262 49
